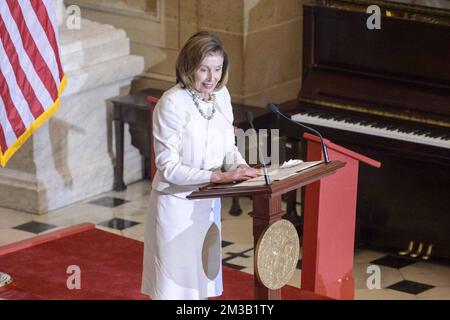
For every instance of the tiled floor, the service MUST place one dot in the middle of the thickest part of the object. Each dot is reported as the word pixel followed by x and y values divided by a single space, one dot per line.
pixel 124 213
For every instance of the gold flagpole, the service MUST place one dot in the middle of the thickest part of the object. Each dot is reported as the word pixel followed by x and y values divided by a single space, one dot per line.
pixel 5 279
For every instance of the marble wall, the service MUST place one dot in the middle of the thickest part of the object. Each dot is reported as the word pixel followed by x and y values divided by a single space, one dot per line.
pixel 71 157
pixel 262 37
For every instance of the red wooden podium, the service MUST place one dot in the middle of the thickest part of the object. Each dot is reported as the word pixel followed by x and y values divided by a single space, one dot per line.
pixel 267 209
pixel 329 217
pixel 329 223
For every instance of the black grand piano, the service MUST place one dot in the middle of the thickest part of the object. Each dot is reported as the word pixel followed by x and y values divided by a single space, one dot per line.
pixel 386 94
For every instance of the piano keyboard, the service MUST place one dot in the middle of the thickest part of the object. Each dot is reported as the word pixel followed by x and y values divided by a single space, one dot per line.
pixel 373 128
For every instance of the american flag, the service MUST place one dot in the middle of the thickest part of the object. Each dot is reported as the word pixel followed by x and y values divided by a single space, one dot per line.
pixel 31 75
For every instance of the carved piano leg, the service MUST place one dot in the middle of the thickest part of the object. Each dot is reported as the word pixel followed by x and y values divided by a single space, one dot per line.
pixel 235 209
pixel 148 155
pixel 119 185
pixel 291 209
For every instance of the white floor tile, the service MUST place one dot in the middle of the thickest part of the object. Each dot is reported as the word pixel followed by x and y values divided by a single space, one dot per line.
pixel 8 236
pixel 76 214
pixel 382 294
pixel 438 293
pixel 363 275
pixel 135 232
pixel 133 191
pixel 428 273
pixel 237 230
pixel 366 256
pixel 11 218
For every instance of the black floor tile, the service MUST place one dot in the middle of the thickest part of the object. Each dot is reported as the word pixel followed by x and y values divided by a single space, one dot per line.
pixel 117 223
pixel 226 243
pixel 394 261
pixel 232 255
pixel 410 287
pixel 233 266
pixel 35 227
pixel 109 202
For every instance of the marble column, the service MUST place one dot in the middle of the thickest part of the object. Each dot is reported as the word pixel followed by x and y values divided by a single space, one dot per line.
pixel 71 157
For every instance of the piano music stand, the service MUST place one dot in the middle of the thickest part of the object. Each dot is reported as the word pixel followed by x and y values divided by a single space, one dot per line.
pixel 329 223
pixel 267 209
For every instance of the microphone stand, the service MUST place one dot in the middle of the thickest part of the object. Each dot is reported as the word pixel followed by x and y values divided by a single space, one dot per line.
pixel 291 213
pixel 249 117
pixel 274 109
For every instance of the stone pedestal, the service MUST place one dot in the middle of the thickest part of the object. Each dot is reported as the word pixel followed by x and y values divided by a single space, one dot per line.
pixel 71 157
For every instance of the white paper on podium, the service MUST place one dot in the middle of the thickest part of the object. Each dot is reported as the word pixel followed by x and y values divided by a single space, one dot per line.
pixel 284 171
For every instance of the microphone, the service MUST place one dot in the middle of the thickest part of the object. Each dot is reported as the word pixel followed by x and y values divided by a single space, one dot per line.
pixel 274 109
pixel 249 117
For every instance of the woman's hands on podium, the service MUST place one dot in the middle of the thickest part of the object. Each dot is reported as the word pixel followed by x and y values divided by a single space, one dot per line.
pixel 242 172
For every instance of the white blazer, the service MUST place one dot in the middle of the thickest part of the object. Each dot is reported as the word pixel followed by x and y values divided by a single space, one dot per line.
pixel 187 146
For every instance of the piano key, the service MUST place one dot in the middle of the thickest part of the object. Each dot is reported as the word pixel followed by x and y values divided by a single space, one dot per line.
pixel 378 125
pixel 376 128
pixel 434 135
pixel 364 122
pixel 393 127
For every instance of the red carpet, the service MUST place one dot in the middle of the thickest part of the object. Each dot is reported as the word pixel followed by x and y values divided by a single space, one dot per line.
pixel 110 266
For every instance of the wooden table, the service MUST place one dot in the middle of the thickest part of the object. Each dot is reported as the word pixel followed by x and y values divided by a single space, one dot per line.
pixel 134 110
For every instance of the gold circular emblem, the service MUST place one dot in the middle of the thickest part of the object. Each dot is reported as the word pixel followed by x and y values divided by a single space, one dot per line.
pixel 276 254
pixel 5 279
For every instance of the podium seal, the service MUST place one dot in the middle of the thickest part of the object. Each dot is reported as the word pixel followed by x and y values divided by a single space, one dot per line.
pixel 276 254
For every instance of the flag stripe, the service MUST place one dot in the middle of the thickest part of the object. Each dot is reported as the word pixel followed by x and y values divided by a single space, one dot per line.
pixel 3 146
pixel 31 75
pixel 40 37
pixel 38 87
pixel 9 52
pixel 32 50
pixel 51 8
pixel 42 15
pixel 13 90
pixel 7 130
pixel 11 113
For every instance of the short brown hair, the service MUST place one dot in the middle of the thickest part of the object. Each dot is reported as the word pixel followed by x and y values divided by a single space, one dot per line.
pixel 192 54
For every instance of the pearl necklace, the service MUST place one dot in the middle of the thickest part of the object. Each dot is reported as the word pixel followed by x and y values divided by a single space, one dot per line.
pixel 211 100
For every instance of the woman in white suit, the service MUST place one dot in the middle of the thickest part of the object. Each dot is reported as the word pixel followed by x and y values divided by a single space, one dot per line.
pixel 194 145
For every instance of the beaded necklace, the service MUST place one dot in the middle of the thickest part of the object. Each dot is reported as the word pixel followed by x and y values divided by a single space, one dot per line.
pixel 211 100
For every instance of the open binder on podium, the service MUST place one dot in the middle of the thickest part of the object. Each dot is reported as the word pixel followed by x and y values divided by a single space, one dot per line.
pixel 278 173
